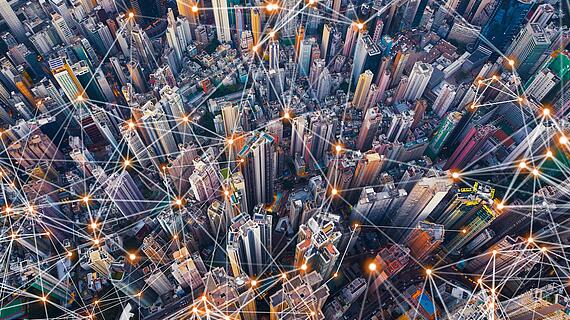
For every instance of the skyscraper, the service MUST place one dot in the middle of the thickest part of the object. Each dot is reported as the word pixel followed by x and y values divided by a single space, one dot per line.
pixel 249 243
pixel 13 21
pixel 446 126
pixel 366 55
pixel 258 168
pixel 256 28
pixel 527 48
pixel 418 81
pixel 274 54
pixel 424 239
pixel 467 150
pixel 422 200
pixel 222 20
pixel 316 246
pixel 304 58
pixel 370 124
pixel 362 87
pixel 124 193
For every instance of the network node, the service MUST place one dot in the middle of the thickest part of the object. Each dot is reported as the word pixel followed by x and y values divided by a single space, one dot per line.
pixel 535 172
pixel 338 148
pixel 479 281
pixel 255 48
pixel 178 202
pixel 195 310
pixel 96 241
pixel 563 140
pixel 43 298
pixel 131 15
pixel 429 272
pixel 500 206
pixel 194 8
pixel 511 62
pixel 226 193
pixel 549 154
pixel 132 256
pixel 530 240
pixel 546 112
pixel 253 283
pixel 230 141
pixel 185 119
pixel 522 164
pixel 313 313
pixel 69 253
pixel 543 249
pixel 284 276
pixel 463 231
pixel 86 199
pixel 304 267
pixel 93 225
pixel 360 25
pixel 131 125
pixel 494 252
pixel 335 275
pixel 372 266
pixel 96 302
pixel 455 175
pixel 79 98
pixel 127 162
pixel 204 298
pixel 286 115
pixel 334 191
pixel 272 7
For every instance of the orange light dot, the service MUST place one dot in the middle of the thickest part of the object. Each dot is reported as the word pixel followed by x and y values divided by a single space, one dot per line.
pixel 563 140
pixel 372 266
pixel 360 26
pixel 194 8
pixel 132 256
pixel 131 15
pixel 93 225
pixel 546 112
pixel 464 230
pixel 253 283
pixel 429 272
pixel 455 175
pixel 96 241
pixel 334 191
pixel 304 267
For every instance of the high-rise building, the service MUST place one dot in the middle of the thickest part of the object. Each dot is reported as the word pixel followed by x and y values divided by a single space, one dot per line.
pixel 125 194
pixel 303 294
pixel 446 127
pixel 205 181
pixel 274 54
pixel 418 81
pixel 469 147
pixel 12 20
pixel 370 124
pixel 527 48
pixel 362 87
pixel 256 25
pixel 258 168
pixel 424 239
pixel 317 247
pixel 328 31
pixel 444 99
pixel 185 269
pixel 375 206
pixel 66 79
pixel 422 200
pixel 470 211
pixel 366 55
pixel 222 20
pixel 249 243
pixel 505 22
pixel 304 58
